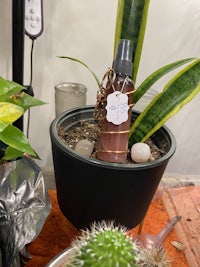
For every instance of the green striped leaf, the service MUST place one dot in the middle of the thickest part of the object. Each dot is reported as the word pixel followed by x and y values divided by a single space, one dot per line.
pixel 155 76
pixel 131 24
pixel 181 89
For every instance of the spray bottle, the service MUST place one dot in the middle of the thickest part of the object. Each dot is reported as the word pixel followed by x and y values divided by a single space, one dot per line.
pixel 119 89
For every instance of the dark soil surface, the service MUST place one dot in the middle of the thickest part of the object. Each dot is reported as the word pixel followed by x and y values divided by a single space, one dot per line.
pixel 90 130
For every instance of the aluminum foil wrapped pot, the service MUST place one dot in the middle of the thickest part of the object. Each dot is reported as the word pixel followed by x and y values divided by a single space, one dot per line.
pixel 24 207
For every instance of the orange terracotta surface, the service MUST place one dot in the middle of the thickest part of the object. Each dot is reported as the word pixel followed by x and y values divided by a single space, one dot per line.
pixel 58 232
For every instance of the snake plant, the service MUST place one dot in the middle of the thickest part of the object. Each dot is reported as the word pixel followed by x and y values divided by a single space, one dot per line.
pixel 131 24
pixel 14 101
pixel 131 20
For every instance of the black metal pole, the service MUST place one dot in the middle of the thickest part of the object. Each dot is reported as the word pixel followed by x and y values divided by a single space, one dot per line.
pixel 18 11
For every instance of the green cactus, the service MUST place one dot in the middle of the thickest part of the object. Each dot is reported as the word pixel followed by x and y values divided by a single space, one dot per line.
pixel 104 245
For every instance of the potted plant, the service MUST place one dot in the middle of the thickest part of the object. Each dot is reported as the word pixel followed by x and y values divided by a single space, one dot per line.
pixel 23 197
pixel 14 101
pixel 89 189
pixel 107 244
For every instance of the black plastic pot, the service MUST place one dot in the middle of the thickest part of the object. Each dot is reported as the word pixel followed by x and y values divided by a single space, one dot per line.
pixel 89 189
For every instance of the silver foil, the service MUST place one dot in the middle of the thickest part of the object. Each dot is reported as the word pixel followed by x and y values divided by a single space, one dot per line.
pixel 24 207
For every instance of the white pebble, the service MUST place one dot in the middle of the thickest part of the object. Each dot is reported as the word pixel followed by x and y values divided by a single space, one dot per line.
pixel 84 148
pixel 140 152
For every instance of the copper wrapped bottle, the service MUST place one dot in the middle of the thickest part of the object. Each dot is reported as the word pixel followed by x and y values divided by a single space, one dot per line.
pixel 115 127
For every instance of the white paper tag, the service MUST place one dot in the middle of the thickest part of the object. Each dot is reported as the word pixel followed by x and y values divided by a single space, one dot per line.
pixel 117 107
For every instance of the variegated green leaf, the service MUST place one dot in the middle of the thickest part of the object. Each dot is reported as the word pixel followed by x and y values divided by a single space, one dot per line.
pixel 3 125
pixel 155 76
pixel 131 24
pixel 15 138
pixel 8 88
pixel 13 104
pixel 181 89
pixel 12 153
pixel 10 112
pixel 25 101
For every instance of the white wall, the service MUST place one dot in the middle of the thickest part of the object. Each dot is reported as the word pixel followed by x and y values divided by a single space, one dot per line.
pixel 85 30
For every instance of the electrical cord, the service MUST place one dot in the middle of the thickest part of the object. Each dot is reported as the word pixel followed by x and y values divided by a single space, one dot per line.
pixel 33 28
pixel 29 87
pixel 31 78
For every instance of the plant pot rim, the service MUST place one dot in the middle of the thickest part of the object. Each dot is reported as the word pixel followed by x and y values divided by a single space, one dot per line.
pixel 60 258
pixel 121 166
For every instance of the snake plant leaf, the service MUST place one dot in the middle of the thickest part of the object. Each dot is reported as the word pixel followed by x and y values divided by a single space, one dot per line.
pixel 10 112
pixel 131 22
pixel 155 76
pixel 8 88
pixel 181 89
pixel 13 137
pixel 85 65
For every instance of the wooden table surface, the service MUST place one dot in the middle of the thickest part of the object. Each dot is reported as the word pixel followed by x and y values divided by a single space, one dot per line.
pixel 185 201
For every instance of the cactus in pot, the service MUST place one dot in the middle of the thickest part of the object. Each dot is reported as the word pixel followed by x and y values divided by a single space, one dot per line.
pixel 106 244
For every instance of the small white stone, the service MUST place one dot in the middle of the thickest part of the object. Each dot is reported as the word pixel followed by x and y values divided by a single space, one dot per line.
pixel 84 148
pixel 140 152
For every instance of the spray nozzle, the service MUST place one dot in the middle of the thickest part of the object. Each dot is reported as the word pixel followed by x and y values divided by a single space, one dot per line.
pixel 123 59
